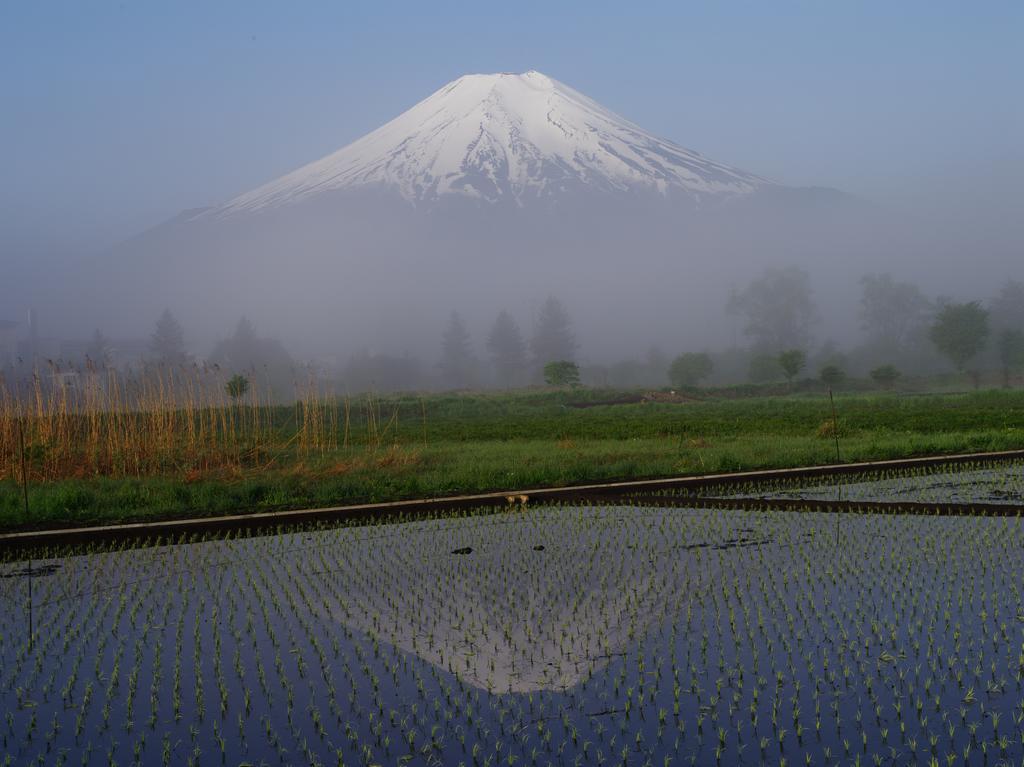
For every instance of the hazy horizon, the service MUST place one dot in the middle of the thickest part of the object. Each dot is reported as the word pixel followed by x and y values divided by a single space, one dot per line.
pixel 122 117
pixel 188 106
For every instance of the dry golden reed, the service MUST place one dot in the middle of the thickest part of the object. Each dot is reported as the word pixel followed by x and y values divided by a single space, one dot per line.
pixel 158 421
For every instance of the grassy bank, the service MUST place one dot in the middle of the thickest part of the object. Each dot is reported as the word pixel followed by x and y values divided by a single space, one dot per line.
pixel 410 446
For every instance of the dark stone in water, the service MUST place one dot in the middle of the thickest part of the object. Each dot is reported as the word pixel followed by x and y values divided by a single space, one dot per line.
pixel 24 572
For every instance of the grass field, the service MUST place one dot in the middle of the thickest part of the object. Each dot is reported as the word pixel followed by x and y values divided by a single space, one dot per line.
pixel 390 448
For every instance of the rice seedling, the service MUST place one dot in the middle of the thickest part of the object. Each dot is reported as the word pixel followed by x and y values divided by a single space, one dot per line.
pixel 970 483
pixel 613 634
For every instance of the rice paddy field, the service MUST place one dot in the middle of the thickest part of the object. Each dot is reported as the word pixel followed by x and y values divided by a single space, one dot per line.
pixel 972 483
pixel 550 635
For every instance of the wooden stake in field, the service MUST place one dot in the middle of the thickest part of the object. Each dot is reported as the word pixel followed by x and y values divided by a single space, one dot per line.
pixel 24 489
pixel 835 434
pixel 835 423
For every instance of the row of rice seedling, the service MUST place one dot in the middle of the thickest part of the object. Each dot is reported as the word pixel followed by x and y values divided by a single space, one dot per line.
pixel 965 483
pixel 992 483
pixel 555 635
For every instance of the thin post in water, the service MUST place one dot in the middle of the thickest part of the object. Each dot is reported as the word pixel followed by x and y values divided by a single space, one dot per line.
pixel 835 435
pixel 835 423
pixel 24 492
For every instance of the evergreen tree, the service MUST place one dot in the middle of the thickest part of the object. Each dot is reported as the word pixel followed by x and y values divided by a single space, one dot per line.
pixel 1006 310
pixel 98 351
pixel 265 359
pixel 656 364
pixel 168 340
pixel 245 335
pixel 507 349
pixel 1010 348
pixel 553 339
pixel 457 361
pixel 243 350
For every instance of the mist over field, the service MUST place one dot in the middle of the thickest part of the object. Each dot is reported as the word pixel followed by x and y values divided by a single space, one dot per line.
pixel 386 256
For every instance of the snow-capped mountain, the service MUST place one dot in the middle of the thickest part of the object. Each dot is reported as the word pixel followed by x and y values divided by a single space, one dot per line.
pixel 506 138
pixel 497 190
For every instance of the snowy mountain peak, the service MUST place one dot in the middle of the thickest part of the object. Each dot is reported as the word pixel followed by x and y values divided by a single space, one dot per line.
pixel 506 137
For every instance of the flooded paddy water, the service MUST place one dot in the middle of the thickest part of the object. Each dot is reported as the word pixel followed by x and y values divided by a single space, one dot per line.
pixel 551 635
pixel 996 483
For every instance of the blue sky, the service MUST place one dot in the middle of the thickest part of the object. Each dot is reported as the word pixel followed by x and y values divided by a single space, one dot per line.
pixel 118 115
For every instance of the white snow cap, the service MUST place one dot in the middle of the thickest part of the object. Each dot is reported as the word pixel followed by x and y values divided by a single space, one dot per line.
pixel 505 137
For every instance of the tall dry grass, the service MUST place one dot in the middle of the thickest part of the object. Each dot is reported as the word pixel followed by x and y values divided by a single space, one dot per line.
pixel 160 420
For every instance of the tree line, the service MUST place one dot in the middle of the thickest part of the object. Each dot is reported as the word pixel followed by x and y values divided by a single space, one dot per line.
pixel 901 326
pixel 514 360
pixel 904 333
